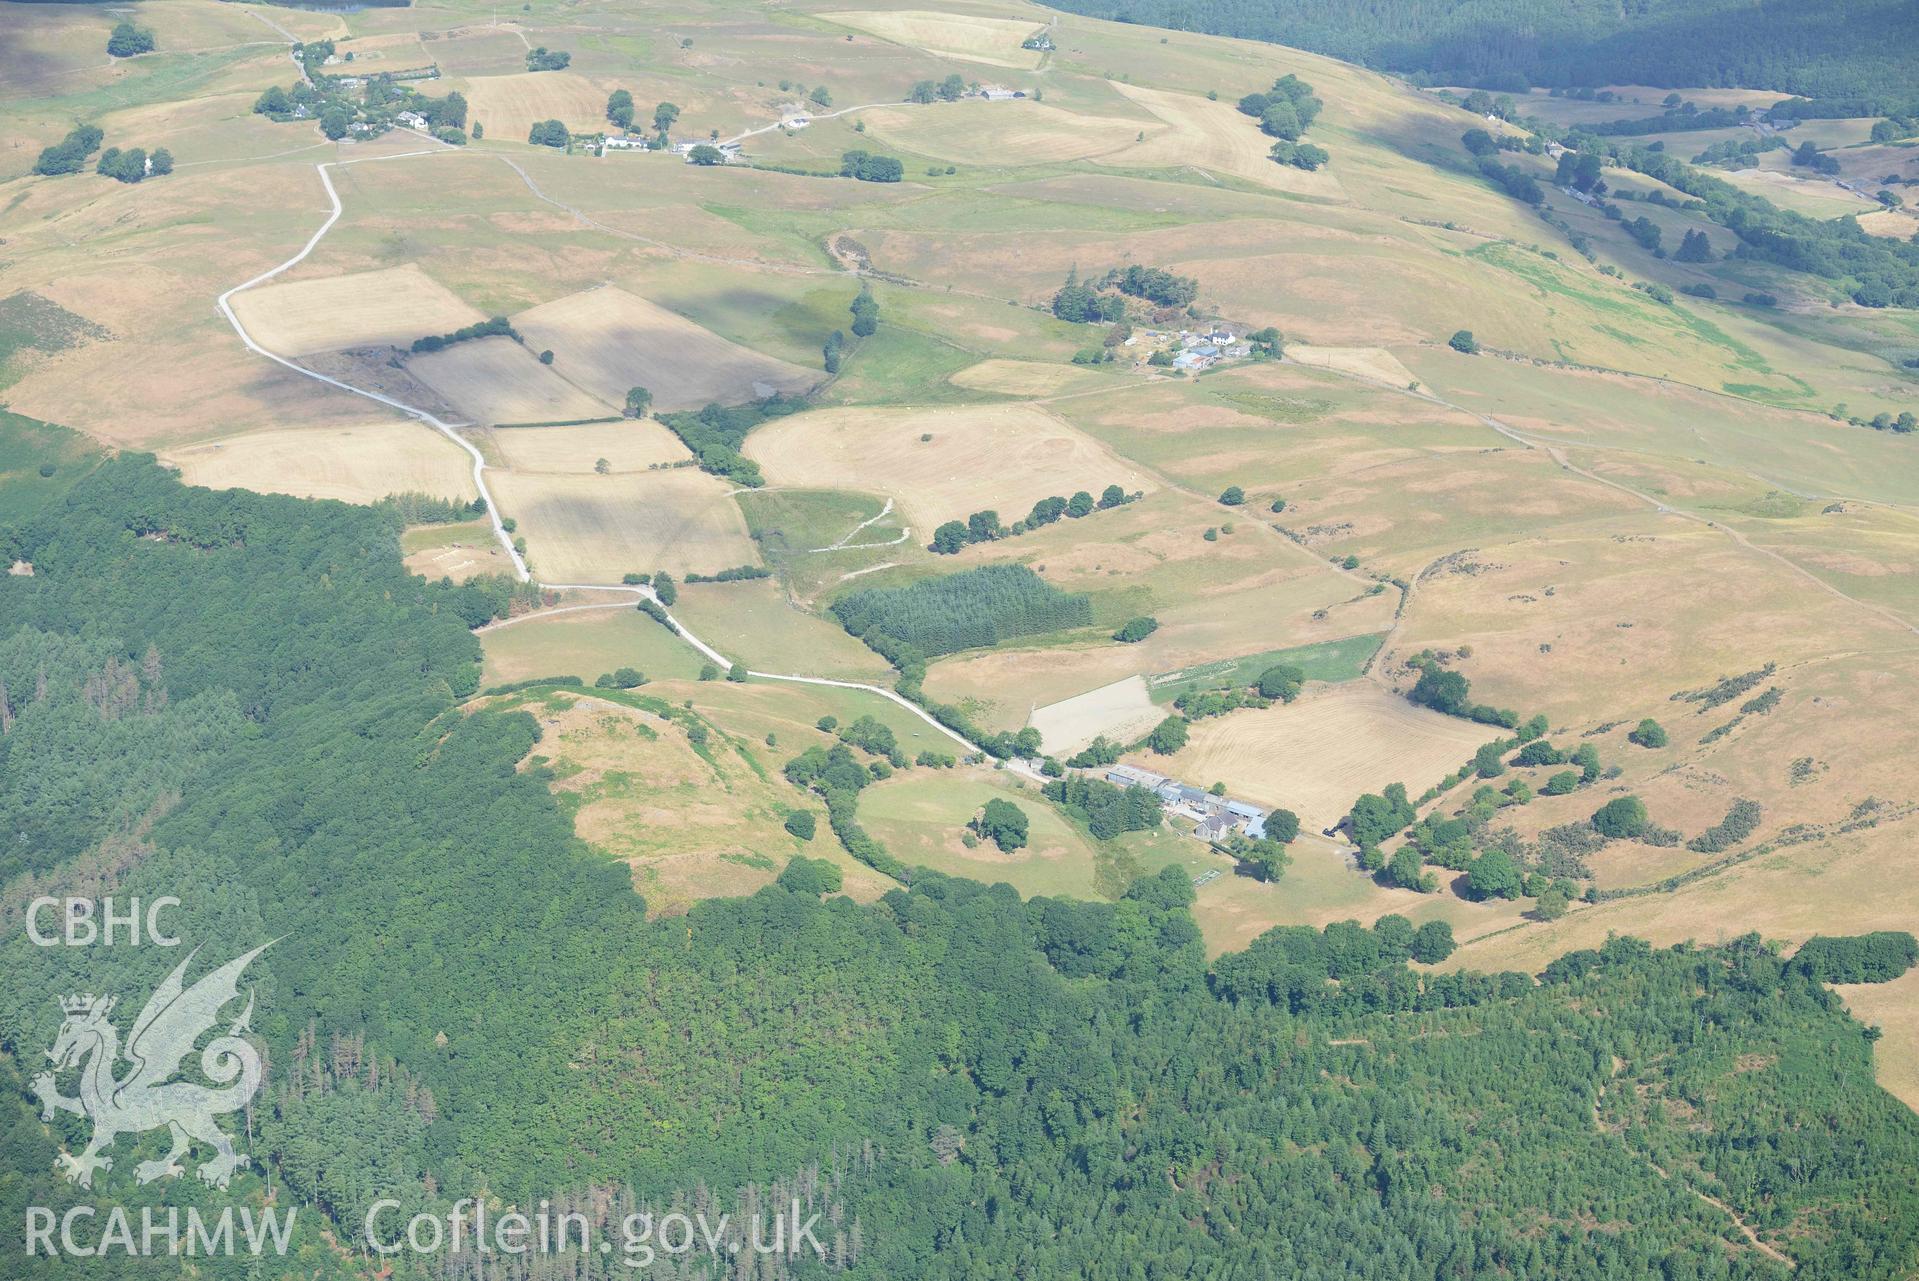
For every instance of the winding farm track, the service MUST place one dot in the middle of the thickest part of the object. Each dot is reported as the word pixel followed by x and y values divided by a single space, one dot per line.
pixel 450 431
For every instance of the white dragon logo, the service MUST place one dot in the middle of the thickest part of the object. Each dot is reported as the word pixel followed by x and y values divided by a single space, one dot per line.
pixel 174 1018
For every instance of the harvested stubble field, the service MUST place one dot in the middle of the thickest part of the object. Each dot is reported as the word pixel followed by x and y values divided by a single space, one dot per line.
pixel 366 309
pixel 1004 457
pixel 1366 362
pixel 1317 755
pixel 628 445
pixel 978 132
pixel 607 341
pixel 1122 711
pixel 354 464
pixel 592 529
pixel 990 40
pixel 1024 378
pixel 510 105
pixel 496 380
pixel 1215 136
pixel 461 551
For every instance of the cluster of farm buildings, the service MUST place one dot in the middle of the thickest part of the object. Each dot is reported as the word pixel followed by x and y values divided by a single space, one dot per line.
pixel 1194 350
pixel 1214 817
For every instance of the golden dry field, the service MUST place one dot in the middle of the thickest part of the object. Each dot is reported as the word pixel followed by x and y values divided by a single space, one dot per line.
pixel 627 445
pixel 941 464
pixel 510 105
pixel 593 529
pixel 367 309
pixel 352 464
pixel 994 41
pixel 1315 756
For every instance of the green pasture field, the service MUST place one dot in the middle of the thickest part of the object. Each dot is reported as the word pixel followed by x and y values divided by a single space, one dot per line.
pixel 1330 661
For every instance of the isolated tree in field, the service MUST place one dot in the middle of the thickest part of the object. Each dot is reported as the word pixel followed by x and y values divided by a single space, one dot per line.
pixel 1266 859
pixel 128 40
pixel 1463 341
pixel 638 401
pixel 123 166
pixel 706 155
pixel 1586 757
pixel 1233 496
pixel 546 357
pixel 820 97
pixel 1539 752
pixel 802 824
pixel 737 673
pixel 1003 823
pixel 544 59
pixel 1168 736
pixel 1694 247
pixel 1622 818
pixel 1300 155
pixel 601 467
pixel 1562 783
pixel 1282 681
pixel 619 109
pixel 866 312
pixel 1136 630
pixel 1649 733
